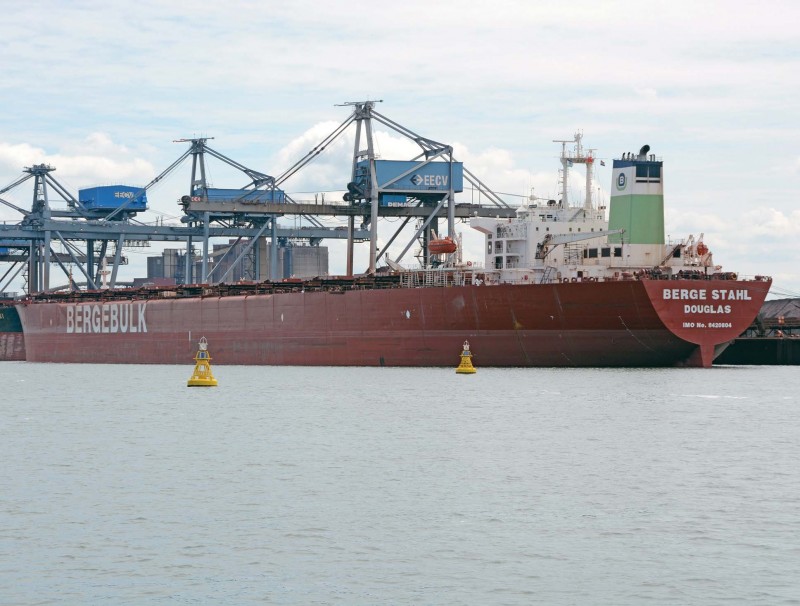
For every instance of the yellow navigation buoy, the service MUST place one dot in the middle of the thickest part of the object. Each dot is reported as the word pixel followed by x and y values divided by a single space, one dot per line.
pixel 202 377
pixel 466 367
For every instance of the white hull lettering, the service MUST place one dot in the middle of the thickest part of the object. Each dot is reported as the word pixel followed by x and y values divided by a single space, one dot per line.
pixel 124 318
pixel 730 295
pixel 142 323
pixel 701 294
pixel 107 318
pixel 706 309
pixel 684 294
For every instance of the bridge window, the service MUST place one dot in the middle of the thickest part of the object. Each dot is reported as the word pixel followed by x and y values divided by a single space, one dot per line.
pixel 617 251
pixel 605 252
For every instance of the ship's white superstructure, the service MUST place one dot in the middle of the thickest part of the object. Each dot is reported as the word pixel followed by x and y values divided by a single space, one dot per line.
pixel 554 241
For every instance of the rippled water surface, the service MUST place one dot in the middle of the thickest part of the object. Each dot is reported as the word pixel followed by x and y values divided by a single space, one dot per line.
pixel 119 485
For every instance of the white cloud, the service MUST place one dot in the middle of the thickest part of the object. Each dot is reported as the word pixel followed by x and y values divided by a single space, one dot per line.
pixel 760 226
pixel 97 160
pixel 648 94
pixel 771 225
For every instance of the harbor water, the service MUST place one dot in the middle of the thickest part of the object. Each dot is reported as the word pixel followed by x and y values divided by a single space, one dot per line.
pixel 120 485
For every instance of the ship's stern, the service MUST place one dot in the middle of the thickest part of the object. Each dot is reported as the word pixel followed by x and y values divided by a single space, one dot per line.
pixel 709 313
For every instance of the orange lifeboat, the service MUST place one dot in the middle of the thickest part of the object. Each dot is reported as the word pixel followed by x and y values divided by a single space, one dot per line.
pixel 701 249
pixel 441 246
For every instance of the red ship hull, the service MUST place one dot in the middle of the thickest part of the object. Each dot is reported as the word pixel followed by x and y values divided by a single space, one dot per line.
pixel 622 323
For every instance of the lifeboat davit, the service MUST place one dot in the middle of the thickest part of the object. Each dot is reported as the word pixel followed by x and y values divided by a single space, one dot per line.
pixel 441 246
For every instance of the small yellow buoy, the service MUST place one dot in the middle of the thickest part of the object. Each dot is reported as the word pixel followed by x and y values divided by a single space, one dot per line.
pixel 202 377
pixel 466 367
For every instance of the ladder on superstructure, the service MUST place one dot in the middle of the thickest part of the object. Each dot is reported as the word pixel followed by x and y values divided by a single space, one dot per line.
pixel 547 276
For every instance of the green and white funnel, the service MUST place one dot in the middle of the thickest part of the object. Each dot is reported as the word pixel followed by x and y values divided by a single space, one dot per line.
pixel 637 199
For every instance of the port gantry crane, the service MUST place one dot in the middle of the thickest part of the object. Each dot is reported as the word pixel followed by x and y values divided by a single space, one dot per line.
pixel 28 243
pixel 423 187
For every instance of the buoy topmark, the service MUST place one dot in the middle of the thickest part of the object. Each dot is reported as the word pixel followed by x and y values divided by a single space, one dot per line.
pixel 466 367
pixel 202 377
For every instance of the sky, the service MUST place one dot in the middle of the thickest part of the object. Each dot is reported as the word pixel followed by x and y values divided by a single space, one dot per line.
pixel 101 90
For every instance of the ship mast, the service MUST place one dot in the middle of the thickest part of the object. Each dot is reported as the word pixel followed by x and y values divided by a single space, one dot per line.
pixel 577 156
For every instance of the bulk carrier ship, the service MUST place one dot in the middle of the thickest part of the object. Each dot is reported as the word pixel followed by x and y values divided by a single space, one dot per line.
pixel 559 285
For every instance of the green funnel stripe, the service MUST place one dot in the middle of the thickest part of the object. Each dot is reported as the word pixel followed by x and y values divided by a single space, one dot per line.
pixel 641 216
